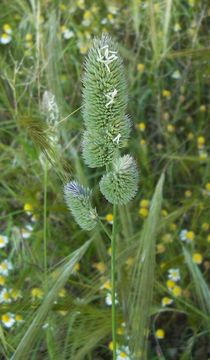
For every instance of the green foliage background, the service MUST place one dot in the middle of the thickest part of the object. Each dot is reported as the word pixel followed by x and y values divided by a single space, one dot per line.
pixel 165 47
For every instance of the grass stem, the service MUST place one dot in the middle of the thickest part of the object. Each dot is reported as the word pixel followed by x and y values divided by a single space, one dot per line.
pixel 45 223
pixel 113 275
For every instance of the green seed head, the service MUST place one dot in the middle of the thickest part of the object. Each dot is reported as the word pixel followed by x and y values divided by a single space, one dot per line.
pixel 120 185
pixel 78 201
pixel 105 101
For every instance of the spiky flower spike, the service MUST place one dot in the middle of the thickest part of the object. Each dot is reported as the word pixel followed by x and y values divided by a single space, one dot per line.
pixel 105 101
pixel 120 185
pixel 78 201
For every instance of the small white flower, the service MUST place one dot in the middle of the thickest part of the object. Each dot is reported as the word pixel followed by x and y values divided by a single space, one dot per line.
pixel 176 75
pixel 68 34
pixel 86 22
pixel 26 232
pixel 202 154
pixel 8 320
pixel 45 326
pixel 3 241
pixel 174 274
pixel 15 294
pixel 166 301
pixel 5 39
pixel 110 97
pixel 108 299
pixel 5 267
pixel 5 296
pixel 117 139
pixel 182 234
pixel 103 21
pixel 123 353
pixel 112 9
pixel 106 56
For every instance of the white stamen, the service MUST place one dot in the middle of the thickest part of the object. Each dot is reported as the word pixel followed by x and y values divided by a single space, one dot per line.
pixel 106 56
pixel 117 139
pixel 110 96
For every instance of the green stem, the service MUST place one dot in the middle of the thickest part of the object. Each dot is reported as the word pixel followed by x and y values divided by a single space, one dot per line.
pixel 113 244
pixel 45 223
pixel 105 229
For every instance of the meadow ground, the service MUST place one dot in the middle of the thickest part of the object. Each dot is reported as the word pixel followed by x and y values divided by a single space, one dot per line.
pixel 55 280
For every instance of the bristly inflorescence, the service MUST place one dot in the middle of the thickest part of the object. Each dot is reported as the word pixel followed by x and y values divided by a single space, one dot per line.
pixel 105 101
pixel 78 200
pixel 107 130
pixel 119 186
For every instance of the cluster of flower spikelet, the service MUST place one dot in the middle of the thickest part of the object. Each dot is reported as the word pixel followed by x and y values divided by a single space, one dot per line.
pixel 107 130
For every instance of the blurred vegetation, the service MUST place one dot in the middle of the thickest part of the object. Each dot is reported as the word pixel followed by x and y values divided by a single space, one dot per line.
pixel 65 315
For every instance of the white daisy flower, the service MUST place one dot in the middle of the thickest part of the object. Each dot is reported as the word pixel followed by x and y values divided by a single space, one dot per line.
pixel 5 38
pixel 123 353
pixel 26 232
pixel 176 75
pixel 3 241
pixel 187 235
pixel 15 294
pixel 173 274
pixel 166 301
pixel 8 320
pixel 68 34
pixel 182 235
pixel 108 299
pixel 5 296
pixel 5 267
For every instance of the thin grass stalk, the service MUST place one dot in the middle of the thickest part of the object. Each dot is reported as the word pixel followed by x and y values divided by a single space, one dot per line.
pixel 113 275
pixel 167 23
pixel 45 223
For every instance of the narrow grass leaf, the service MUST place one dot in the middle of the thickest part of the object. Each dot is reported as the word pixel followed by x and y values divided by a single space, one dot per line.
pixel 201 287
pixel 142 281
pixel 23 349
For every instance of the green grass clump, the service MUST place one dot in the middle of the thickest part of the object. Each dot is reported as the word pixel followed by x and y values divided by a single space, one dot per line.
pixel 57 125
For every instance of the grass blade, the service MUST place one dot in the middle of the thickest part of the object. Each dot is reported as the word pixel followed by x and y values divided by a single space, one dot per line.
pixel 23 349
pixel 142 278
pixel 201 287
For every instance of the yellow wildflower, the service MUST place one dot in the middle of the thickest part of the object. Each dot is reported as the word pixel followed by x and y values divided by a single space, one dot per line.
pixel 160 334
pixel 170 128
pixel 176 291
pixel 202 108
pixel 130 260
pixel 7 28
pixel 62 293
pixel 76 267
pixel 190 235
pixel 144 203
pixel 28 207
pixel 170 284
pixel 197 258
pixel 36 293
pixel 166 93
pixel 166 301
pixel 200 142
pixel 2 280
pixel 109 218
pixel 207 186
pixel 140 67
pixel 100 266
pixel 188 193
pixel 143 212
pixel 141 126
pixel 160 248
pixel 28 37
pixel 205 226
pixel 106 285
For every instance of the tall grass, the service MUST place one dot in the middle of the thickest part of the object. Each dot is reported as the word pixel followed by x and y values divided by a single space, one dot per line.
pixel 80 324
